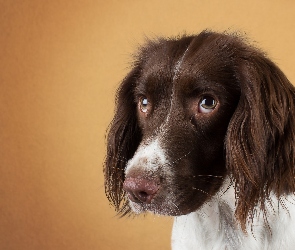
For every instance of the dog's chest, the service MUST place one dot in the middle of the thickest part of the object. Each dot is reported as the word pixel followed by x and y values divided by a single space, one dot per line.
pixel 213 227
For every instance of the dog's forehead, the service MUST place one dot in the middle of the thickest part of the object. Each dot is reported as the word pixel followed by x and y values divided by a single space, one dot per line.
pixel 183 65
pixel 162 61
pixel 160 68
pixel 166 73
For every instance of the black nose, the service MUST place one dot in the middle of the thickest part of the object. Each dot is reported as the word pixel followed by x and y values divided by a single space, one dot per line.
pixel 140 189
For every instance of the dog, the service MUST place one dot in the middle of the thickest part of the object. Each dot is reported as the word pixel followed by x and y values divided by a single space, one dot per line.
pixel 204 131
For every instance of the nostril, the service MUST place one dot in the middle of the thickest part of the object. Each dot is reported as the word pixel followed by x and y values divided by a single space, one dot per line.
pixel 140 190
pixel 143 196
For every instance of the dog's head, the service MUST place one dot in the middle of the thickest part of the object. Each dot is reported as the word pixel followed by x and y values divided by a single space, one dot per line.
pixel 193 111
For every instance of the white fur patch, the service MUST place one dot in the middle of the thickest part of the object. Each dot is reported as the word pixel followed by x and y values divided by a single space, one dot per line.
pixel 175 76
pixel 178 64
pixel 149 157
pixel 214 227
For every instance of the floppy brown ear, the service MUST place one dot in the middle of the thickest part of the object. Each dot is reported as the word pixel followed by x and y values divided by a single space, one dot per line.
pixel 260 141
pixel 122 140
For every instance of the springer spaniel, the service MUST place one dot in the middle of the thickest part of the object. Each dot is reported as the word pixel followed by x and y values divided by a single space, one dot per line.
pixel 204 130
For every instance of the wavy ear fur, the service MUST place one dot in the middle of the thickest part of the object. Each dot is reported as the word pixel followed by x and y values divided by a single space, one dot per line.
pixel 260 143
pixel 122 141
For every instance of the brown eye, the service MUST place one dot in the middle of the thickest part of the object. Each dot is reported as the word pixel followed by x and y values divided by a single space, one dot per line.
pixel 207 104
pixel 144 104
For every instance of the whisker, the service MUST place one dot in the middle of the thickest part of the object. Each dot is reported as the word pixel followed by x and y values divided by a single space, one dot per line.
pixel 223 193
pixel 201 191
pixel 215 176
pixel 178 210
pixel 185 155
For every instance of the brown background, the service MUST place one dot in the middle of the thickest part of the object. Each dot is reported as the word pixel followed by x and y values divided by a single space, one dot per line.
pixel 60 64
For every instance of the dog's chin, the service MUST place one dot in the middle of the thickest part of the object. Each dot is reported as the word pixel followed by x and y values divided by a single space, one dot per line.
pixel 165 209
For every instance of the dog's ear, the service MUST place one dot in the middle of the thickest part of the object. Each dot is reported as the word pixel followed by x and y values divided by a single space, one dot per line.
pixel 122 141
pixel 260 142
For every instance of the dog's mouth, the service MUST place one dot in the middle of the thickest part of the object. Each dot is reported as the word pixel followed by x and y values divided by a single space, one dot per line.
pixel 144 194
pixel 168 199
pixel 163 208
pixel 149 196
pixel 166 207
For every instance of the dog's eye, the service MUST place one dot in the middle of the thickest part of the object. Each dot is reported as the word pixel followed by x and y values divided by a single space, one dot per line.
pixel 144 104
pixel 207 104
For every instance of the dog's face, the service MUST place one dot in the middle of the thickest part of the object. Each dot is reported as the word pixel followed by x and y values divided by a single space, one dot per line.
pixel 192 111
pixel 183 108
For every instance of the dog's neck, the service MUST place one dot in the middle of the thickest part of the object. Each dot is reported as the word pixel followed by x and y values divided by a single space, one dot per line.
pixel 210 226
pixel 214 226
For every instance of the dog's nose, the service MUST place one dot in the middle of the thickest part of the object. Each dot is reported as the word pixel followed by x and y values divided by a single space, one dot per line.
pixel 140 189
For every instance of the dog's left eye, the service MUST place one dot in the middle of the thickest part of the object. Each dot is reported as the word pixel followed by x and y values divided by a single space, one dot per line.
pixel 144 104
pixel 207 104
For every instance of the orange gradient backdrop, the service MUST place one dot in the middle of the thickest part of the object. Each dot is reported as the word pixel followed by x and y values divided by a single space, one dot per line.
pixel 60 65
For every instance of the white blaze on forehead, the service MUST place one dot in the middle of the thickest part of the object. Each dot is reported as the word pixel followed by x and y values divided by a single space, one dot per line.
pixel 176 74
pixel 178 64
pixel 148 157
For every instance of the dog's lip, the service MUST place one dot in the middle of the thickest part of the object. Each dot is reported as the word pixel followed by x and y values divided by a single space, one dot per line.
pixel 133 198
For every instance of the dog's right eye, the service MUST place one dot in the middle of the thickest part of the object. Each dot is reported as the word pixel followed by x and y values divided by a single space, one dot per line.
pixel 207 104
pixel 144 104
